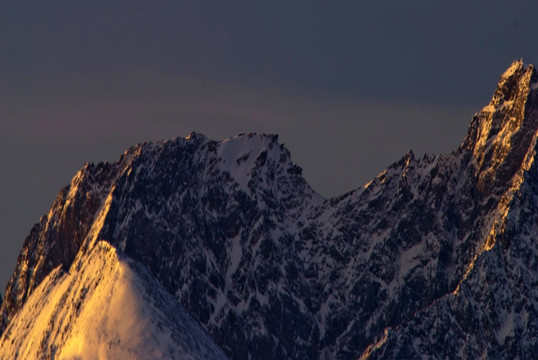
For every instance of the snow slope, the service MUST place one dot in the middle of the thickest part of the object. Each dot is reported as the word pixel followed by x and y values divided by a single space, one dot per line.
pixel 105 307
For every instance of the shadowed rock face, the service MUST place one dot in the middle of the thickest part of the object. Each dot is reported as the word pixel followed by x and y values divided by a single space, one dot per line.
pixel 429 254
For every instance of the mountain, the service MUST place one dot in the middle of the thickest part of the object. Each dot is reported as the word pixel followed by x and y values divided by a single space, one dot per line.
pixel 433 258
pixel 492 312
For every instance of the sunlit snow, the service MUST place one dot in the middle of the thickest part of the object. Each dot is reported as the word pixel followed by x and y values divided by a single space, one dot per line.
pixel 105 307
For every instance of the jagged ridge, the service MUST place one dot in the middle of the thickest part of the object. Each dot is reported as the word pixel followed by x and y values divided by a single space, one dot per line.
pixel 272 270
pixel 492 313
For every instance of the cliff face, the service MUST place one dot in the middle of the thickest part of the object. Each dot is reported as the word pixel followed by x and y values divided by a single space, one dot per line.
pixel 433 256
pixel 502 133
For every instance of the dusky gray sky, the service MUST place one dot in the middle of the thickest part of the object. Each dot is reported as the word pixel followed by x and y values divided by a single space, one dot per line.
pixel 349 86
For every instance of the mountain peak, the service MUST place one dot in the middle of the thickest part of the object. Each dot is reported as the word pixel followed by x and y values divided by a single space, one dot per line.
pixel 515 79
pixel 516 66
pixel 500 134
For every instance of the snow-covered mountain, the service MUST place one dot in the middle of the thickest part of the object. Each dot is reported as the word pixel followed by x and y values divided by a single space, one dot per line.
pixel 434 257
pixel 106 306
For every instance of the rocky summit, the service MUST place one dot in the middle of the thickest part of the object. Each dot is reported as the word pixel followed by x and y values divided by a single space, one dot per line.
pixel 434 258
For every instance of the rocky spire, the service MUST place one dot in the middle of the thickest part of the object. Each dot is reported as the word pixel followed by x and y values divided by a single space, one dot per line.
pixel 501 133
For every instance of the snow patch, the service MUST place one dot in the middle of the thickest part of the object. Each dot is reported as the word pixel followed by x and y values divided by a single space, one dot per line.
pixel 507 329
pixel 236 252
pixel 239 154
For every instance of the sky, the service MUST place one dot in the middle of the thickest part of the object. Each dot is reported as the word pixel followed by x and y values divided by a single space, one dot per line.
pixel 349 86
